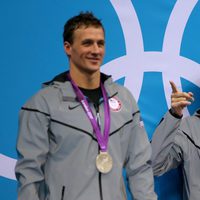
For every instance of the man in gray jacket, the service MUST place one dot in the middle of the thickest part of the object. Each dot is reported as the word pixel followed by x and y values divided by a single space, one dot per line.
pixel 176 142
pixel 79 132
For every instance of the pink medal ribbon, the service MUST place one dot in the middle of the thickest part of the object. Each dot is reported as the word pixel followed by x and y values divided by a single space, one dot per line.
pixel 101 138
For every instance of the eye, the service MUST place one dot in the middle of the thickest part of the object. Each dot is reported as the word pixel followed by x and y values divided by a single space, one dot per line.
pixel 87 42
pixel 101 43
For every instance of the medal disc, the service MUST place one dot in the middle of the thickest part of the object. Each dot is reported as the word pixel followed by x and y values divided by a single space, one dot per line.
pixel 104 162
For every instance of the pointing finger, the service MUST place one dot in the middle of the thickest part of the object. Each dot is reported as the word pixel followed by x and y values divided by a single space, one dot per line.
pixel 173 86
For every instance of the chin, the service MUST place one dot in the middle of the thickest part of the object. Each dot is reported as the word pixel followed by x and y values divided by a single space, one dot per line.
pixel 93 70
pixel 94 67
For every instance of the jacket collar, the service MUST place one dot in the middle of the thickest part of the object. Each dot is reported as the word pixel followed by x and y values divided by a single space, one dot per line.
pixel 62 77
pixel 61 81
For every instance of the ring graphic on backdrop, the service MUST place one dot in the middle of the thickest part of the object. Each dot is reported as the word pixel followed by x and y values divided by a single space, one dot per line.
pixel 168 61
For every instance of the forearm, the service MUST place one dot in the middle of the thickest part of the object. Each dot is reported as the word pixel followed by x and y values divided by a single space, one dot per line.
pixel 32 148
pixel 164 148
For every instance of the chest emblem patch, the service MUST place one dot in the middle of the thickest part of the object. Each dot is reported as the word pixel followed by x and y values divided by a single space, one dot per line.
pixel 115 104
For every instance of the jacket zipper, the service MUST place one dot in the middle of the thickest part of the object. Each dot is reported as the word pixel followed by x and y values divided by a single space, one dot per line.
pixel 100 187
pixel 63 193
pixel 99 123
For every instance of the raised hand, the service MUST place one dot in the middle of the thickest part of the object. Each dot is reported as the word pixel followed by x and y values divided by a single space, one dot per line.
pixel 179 100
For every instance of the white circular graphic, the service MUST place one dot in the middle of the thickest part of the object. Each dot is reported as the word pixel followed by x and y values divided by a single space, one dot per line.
pixel 115 104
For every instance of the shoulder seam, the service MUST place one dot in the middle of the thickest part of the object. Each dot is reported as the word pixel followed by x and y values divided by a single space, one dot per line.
pixel 34 110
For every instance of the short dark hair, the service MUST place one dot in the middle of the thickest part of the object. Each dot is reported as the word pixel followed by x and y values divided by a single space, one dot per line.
pixel 84 19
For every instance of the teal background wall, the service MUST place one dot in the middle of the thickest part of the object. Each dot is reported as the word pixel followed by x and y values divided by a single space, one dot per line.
pixel 148 42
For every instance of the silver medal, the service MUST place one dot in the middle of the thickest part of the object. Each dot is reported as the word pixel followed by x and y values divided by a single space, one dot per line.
pixel 104 162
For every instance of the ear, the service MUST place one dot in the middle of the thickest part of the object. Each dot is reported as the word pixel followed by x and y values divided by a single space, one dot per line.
pixel 67 47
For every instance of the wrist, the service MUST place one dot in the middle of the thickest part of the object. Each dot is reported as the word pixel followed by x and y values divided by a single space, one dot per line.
pixel 175 114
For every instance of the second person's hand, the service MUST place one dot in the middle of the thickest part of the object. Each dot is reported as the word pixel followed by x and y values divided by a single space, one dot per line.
pixel 179 100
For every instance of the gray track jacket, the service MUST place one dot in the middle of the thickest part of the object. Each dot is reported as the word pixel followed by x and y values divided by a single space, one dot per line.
pixel 57 148
pixel 177 142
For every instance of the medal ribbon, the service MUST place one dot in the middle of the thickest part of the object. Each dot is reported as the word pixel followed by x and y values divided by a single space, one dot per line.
pixel 102 139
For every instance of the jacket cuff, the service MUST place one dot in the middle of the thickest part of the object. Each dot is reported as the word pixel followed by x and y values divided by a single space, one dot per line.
pixel 172 112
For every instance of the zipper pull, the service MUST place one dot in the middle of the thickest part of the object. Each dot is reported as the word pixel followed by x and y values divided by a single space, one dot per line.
pixel 98 119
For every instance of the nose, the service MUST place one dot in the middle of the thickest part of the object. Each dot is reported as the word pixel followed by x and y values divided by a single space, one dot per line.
pixel 95 48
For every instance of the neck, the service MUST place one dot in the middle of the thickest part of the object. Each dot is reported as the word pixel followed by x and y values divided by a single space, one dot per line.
pixel 86 80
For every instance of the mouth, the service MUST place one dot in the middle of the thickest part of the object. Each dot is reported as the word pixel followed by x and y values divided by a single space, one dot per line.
pixel 94 59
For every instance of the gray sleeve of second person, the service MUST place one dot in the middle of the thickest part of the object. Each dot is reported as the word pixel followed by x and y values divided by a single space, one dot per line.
pixel 32 147
pixel 166 151
pixel 138 166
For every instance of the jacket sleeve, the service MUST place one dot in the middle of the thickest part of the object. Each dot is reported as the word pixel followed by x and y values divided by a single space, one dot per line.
pixel 166 151
pixel 32 148
pixel 138 166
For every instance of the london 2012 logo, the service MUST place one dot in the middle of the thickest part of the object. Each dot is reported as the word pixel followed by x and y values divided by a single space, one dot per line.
pixel 168 61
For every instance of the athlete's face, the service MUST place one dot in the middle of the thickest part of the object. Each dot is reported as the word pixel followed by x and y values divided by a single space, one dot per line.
pixel 87 50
